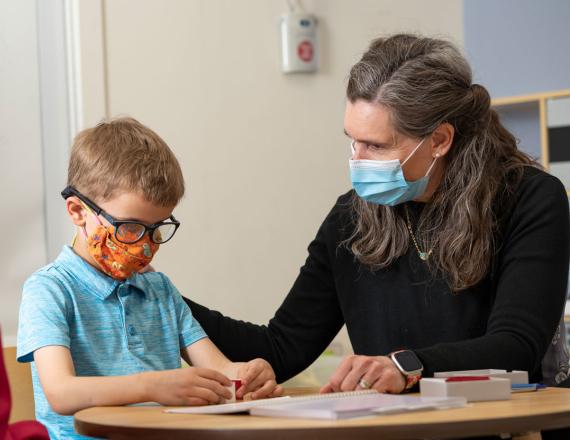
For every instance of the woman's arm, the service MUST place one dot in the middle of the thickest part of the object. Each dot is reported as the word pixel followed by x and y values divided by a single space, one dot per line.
pixel 302 327
pixel 531 281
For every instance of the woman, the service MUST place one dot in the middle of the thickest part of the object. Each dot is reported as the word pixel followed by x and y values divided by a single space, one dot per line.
pixel 453 245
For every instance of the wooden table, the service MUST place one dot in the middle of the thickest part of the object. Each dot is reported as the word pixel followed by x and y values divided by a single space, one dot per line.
pixel 532 411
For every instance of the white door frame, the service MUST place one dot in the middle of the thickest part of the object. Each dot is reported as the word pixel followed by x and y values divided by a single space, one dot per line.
pixel 72 94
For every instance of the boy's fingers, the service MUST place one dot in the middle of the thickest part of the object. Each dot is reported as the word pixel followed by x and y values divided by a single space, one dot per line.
pixel 252 370
pixel 246 388
pixel 277 392
pixel 326 389
pixel 214 386
pixel 252 379
pixel 265 390
pixel 205 394
pixel 195 401
pixel 214 375
pixel 256 383
pixel 240 392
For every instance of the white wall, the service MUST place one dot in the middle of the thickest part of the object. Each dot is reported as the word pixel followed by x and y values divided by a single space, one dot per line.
pixel 263 153
pixel 21 181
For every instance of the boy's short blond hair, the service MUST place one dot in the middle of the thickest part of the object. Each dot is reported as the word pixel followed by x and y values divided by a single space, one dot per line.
pixel 122 155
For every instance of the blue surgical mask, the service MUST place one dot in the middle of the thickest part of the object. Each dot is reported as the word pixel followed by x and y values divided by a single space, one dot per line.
pixel 382 181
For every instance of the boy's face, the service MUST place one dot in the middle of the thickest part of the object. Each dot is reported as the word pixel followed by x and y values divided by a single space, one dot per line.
pixel 125 206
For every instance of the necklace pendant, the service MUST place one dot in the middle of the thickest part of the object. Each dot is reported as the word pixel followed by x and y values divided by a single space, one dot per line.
pixel 424 256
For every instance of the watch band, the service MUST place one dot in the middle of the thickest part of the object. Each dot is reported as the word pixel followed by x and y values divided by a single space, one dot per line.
pixel 411 380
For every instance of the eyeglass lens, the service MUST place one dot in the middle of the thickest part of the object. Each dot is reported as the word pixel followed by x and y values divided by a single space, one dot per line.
pixel 132 232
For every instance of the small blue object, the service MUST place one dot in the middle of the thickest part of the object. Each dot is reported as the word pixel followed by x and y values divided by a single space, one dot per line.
pixel 521 387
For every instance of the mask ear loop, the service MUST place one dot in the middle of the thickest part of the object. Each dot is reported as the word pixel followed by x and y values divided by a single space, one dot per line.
pixel 432 164
pixel 83 230
pixel 415 149
pixel 412 153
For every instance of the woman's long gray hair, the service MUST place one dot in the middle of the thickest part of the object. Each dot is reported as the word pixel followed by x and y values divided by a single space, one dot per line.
pixel 424 82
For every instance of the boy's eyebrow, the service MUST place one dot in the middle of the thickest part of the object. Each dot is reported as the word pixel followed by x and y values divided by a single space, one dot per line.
pixel 132 219
pixel 128 219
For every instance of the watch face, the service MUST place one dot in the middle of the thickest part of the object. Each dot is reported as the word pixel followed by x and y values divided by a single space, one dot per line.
pixel 408 360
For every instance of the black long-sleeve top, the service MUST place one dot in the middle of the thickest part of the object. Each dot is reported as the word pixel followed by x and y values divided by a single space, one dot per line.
pixel 506 321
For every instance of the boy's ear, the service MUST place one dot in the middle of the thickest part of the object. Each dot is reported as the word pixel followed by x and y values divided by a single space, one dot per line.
pixel 76 211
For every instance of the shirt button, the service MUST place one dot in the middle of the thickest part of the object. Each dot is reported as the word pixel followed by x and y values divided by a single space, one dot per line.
pixel 127 311
pixel 132 330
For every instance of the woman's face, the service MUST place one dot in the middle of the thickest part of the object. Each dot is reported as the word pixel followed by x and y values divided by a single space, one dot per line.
pixel 369 125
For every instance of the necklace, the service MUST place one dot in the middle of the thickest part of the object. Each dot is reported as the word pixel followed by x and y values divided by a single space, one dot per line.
pixel 423 255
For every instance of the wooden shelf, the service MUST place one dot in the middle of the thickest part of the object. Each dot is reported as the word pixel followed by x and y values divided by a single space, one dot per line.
pixel 540 99
pixel 534 97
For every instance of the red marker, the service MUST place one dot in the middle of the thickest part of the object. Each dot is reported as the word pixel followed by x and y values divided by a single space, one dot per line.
pixel 466 378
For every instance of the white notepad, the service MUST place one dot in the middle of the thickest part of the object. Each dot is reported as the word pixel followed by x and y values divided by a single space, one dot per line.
pixel 345 407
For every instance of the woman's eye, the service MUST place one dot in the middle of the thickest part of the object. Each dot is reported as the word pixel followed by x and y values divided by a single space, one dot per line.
pixel 374 147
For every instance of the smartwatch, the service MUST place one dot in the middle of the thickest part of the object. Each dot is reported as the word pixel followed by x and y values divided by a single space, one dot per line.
pixel 409 365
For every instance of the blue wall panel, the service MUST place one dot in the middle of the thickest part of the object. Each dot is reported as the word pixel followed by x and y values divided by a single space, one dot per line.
pixel 517 47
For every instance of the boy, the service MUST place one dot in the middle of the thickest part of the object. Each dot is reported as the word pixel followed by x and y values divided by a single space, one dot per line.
pixel 100 332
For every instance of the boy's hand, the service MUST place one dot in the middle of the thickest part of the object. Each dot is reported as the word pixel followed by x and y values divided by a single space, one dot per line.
pixel 258 380
pixel 187 386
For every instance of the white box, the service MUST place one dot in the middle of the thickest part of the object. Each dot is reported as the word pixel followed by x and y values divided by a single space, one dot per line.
pixel 492 388
pixel 515 376
pixel 236 383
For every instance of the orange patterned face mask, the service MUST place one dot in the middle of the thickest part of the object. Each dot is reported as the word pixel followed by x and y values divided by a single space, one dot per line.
pixel 116 259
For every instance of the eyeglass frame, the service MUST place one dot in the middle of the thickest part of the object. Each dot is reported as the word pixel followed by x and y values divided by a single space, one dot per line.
pixel 70 191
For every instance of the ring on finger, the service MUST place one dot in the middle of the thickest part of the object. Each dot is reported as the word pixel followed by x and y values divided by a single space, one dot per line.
pixel 363 383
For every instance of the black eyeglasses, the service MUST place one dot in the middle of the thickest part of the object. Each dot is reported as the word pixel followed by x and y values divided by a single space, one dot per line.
pixel 129 231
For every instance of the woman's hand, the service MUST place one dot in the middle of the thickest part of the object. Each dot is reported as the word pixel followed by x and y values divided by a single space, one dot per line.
pixel 258 380
pixel 186 386
pixel 377 371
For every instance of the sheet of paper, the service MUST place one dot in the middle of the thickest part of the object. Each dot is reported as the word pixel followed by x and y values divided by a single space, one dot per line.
pixel 225 408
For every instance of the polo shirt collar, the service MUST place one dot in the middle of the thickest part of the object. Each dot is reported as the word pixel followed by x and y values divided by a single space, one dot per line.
pixel 96 282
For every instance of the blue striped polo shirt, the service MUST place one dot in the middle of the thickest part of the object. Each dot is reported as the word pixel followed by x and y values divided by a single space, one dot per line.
pixel 111 327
